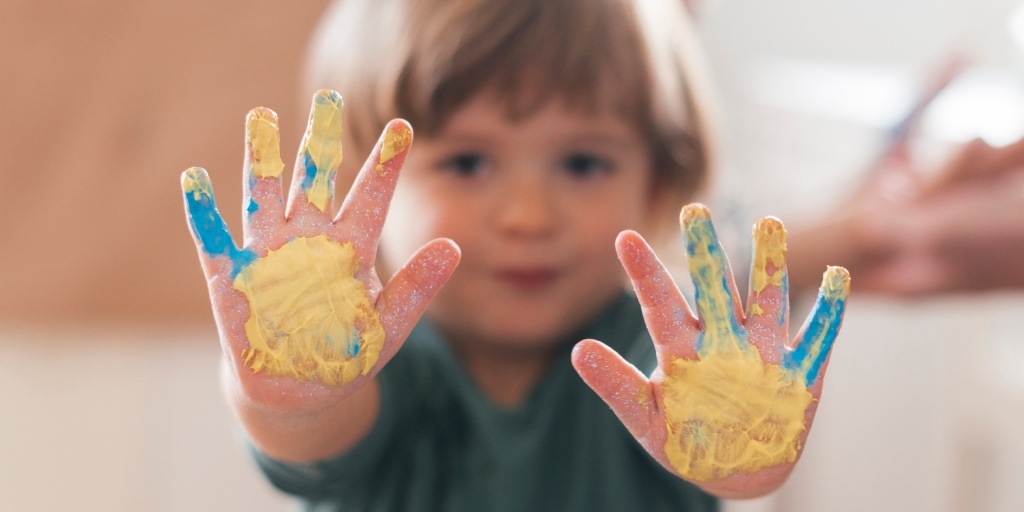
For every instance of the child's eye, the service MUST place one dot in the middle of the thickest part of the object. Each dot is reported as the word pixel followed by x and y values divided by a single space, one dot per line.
pixel 465 164
pixel 585 165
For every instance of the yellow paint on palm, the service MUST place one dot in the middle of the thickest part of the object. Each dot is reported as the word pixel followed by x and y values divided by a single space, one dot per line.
pixel 264 142
pixel 310 318
pixel 321 147
pixel 729 413
pixel 769 246
pixel 726 412
pixel 396 139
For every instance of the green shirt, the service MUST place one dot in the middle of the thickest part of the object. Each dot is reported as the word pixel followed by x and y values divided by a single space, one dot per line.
pixel 439 444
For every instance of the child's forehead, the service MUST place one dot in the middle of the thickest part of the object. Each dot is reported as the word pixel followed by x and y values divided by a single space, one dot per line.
pixel 558 110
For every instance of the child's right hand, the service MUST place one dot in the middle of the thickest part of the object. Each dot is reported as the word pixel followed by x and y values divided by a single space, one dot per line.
pixel 302 315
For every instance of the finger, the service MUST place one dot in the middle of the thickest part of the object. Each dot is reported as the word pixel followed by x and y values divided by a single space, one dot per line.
pixel 971 158
pixel 814 342
pixel 366 205
pixel 409 292
pixel 1007 158
pixel 312 188
pixel 618 383
pixel 768 298
pixel 209 231
pixel 261 199
pixel 666 313
pixel 718 305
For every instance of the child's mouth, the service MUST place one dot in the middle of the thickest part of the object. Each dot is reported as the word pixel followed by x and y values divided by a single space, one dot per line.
pixel 528 279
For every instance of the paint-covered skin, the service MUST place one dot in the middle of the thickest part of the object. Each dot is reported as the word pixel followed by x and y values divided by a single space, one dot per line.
pixel 732 400
pixel 302 315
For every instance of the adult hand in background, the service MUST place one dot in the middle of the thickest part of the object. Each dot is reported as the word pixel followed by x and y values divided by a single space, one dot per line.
pixel 910 233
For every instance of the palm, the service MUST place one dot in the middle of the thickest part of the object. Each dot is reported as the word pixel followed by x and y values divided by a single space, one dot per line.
pixel 300 302
pixel 731 401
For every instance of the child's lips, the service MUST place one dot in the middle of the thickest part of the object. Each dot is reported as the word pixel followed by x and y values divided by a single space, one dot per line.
pixel 528 279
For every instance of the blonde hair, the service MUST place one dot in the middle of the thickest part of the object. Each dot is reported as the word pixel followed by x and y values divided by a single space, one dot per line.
pixel 423 59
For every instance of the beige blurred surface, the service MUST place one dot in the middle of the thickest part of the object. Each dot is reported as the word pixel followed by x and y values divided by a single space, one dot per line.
pixel 103 105
pixel 120 420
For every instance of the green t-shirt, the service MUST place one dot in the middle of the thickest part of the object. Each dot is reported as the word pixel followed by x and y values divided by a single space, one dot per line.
pixel 439 444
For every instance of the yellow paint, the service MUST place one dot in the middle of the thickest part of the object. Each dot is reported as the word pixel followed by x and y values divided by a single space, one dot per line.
pixel 769 246
pixel 264 141
pixel 756 309
pixel 322 144
pixel 709 270
pixel 728 412
pixel 835 284
pixel 396 139
pixel 309 313
pixel 195 181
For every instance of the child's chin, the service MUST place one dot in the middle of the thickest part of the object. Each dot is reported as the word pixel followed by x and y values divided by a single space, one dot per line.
pixel 531 330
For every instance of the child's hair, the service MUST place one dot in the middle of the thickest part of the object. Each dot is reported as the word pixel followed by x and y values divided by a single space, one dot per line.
pixel 423 59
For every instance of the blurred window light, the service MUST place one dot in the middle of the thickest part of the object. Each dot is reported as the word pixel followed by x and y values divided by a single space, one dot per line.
pixel 1015 24
pixel 985 104
pixel 871 95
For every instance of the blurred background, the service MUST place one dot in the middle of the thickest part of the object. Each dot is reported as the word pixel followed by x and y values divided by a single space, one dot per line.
pixel 108 351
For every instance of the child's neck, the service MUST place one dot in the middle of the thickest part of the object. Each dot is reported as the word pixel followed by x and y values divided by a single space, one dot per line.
pixel 505 376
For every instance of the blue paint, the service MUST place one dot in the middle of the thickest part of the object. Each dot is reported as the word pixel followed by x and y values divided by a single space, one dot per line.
pixel 311 171
pixel 711 282
pixel 784 297
pixel 355 342
pixel 253 207
pixel 820 333
pixel 209 228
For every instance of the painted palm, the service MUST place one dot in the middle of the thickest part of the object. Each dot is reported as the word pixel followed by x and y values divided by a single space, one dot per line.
pixel 300 302
pixel 732 400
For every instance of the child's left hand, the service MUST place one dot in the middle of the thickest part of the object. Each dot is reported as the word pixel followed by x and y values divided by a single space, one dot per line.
pixel 731 402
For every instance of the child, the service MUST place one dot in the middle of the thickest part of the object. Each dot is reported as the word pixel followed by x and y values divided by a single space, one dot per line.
pixel 548 131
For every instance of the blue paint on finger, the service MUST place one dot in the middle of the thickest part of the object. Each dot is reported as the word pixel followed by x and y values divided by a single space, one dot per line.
pixel 822 327
pixel 206 223
pixel 709 269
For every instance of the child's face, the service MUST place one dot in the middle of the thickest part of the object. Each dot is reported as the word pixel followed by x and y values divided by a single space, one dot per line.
pixel 535 206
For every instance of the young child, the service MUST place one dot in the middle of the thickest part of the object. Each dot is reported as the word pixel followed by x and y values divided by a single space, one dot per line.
pixel 548 131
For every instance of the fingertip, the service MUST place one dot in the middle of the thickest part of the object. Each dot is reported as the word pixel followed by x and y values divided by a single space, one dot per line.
pixel 397 138
pixel 835 283
pixel 328 96
pixel 629 244
pixel 769 227
pixel 692 212
pixel 263 140
pixel 585 355
pixel 400 125
pixel 627 235
pixel 196 181
pixel 447 250
pixel 320 153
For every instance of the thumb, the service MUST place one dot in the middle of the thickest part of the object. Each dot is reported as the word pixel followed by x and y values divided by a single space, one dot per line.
pixel 618 383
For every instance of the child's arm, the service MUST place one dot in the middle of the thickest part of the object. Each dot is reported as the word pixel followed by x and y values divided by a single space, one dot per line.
pixel 304 321
pixel 731 402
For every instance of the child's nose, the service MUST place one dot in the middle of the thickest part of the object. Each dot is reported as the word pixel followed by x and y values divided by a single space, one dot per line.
pixel 527 209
